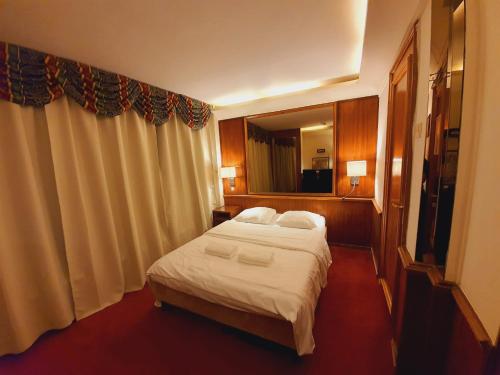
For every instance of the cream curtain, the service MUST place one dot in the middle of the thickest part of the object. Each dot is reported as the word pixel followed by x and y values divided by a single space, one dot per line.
pixel 35 293
pixel 189 172
pixel 284 168
pixel 260 166
pixel 88 203
pixel 109 189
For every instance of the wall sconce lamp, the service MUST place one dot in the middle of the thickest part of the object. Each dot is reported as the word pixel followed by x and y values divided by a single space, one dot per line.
pixel 230 173
pixel 355 170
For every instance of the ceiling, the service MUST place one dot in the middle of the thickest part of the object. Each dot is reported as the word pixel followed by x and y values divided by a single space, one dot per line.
pixel 294 120
pixel 222 48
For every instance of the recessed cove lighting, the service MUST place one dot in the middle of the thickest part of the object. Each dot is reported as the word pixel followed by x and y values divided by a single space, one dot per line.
pixel 235 99
pixel 315 127
pixel 290 88
pixel 266 93
pixel 360 13
pixel 294 87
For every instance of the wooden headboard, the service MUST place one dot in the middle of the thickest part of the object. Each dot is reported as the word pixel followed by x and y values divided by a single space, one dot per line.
pixel 348 221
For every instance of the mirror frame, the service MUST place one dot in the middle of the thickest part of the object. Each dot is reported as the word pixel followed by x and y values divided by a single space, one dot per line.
pixel 333 105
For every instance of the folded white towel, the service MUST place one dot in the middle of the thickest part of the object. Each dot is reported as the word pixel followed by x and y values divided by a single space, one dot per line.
pixel 256 257
pixel 219 249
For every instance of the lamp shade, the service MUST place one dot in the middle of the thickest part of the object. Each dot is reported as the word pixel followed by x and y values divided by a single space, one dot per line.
pixel 228 172
pixel 356 168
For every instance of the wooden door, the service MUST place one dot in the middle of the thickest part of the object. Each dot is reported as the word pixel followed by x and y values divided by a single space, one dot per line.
pixel 398 165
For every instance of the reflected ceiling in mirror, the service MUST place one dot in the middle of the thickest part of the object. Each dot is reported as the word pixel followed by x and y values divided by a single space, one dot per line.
pixel 291 151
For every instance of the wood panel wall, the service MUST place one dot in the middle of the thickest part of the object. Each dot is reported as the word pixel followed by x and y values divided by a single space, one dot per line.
pixel 232 145
pixel 357 122
pixel 356 139
pixel 348 221
pixel 470 351
pixel 436 330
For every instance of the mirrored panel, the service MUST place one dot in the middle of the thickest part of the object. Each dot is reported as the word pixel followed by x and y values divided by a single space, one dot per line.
pixel 443 131
pixel 291 151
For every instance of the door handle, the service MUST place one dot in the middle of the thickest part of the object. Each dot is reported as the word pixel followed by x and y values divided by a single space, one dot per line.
pixel 397 205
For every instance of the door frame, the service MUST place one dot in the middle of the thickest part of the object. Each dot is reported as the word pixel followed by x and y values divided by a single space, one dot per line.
pixel 408 49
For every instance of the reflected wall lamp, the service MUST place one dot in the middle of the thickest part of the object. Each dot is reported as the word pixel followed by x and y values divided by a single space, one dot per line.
pixel 355 170
pixel 230 173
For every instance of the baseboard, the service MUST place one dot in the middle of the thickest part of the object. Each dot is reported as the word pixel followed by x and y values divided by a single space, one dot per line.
pixel 374 262
pixel 494 363
pixel 394 352
pixel 387 294
pixel 354 246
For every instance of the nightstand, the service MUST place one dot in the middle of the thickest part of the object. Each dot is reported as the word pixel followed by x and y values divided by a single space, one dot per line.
pixel 223 213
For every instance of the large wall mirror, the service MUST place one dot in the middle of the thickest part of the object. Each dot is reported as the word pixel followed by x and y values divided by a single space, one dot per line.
pixel 443 131
pixel 291 151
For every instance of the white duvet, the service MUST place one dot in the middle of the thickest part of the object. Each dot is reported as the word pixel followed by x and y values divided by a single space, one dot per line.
pixel 289 287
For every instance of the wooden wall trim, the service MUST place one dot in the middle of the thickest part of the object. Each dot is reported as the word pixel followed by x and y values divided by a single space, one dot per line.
pixel 289 110
pixel 300 197
pixel 436 329
pixel 471 317
pixel 387 294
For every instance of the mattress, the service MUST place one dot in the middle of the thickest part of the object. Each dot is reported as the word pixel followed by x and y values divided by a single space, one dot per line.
pixel 289 287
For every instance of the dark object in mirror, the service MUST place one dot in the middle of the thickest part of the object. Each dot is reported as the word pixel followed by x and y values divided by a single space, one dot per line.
pixel 443 131
pixel 317 180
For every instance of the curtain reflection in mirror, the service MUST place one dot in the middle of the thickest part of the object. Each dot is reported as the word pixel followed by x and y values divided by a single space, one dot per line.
pixel 259 157
pixel 284 164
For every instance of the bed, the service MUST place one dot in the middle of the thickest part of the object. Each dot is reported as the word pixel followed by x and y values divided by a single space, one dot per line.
pixel 276 302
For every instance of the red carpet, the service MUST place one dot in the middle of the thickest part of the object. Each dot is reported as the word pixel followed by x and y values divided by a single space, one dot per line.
pixel 352 334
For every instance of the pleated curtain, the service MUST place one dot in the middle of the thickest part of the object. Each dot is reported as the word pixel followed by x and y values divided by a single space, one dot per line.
pixel 284 168
pixel 260 177
pixel 87 204
pixel 35 294
pixel 189 174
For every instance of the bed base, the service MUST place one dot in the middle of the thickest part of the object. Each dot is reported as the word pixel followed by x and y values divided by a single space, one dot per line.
pixel 274 329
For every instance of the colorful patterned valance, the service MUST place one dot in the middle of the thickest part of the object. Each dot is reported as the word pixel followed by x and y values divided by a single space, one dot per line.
pixel 259 134
pixel 29 77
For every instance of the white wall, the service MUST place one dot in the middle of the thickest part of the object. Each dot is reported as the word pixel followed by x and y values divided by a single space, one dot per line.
pixel 474 254
pixel 381 136
pixel 311 141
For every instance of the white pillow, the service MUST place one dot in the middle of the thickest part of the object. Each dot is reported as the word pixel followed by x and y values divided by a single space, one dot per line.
pixel 256 215
pixel 301 219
